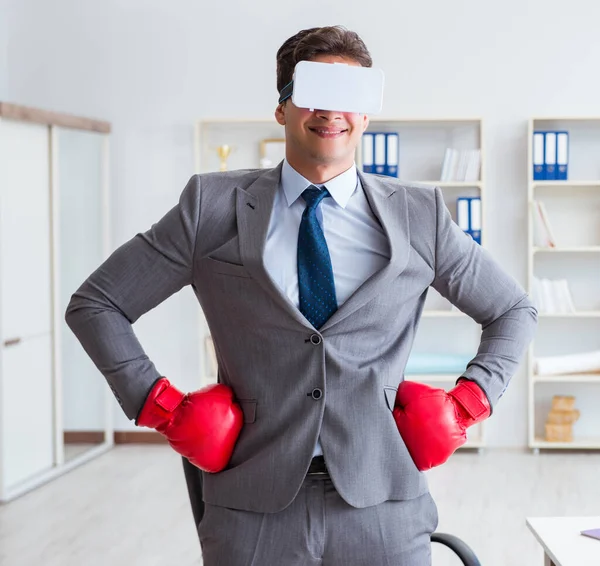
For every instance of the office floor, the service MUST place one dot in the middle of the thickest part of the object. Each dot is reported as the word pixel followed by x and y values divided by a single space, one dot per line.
pixel 130 508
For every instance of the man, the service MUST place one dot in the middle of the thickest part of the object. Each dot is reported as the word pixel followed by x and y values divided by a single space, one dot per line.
pixel 312 277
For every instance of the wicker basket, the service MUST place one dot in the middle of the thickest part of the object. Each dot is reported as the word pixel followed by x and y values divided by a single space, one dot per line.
pixel 559 432
pixel 563 403
pixel 563 417
pixel 560 420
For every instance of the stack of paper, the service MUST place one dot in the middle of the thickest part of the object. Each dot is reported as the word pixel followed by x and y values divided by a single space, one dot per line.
pixel 585 362
pixel 552 296
pixel 461 165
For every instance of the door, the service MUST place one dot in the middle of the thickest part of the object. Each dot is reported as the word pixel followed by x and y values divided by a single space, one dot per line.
pixel 25 302
pixel 27 409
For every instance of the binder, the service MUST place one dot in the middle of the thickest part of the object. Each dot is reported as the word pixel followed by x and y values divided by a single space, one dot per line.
pixel 367 153
pixel 463 213
pixel 474 166
pixel 539 172
pixel 550 155
pixel 379 158
pixel 562 155
pixel 468 216
pixel 475 219
pixel 444 175
pixel 392 154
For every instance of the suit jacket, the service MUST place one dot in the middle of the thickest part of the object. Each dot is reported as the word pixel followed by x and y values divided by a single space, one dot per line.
pixel 296 383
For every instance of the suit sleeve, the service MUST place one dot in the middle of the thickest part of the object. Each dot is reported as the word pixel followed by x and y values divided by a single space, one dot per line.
pixel 467 275
pixel 136 277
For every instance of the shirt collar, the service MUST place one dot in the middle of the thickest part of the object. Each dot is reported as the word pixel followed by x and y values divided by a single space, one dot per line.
pixel 341 188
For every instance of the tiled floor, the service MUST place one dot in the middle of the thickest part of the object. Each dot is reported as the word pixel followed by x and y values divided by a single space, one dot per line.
pixel 130 508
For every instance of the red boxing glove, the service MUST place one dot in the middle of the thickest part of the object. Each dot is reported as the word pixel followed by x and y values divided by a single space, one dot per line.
pixel 203 426
pixel 433 422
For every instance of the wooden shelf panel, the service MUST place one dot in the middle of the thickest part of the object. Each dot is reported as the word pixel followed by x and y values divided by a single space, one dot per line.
pixel 577 314
pixel 437 377
pixel 567 378
pixel 565 184
pixel 577 444
pixel 46 117
pixel 443 313
pixel 449 184
pixel 433 121
pixel 473 444
pixel 571 249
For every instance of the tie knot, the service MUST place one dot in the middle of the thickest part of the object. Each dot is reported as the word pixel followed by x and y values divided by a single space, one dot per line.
pixel 313 196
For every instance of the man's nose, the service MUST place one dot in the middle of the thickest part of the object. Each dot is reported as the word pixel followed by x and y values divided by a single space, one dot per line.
pixel 329 114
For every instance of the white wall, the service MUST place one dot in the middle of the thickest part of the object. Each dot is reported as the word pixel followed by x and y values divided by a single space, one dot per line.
pixel 152 68
pixel 4 50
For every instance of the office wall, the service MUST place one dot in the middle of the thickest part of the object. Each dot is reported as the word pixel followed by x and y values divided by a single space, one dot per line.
pixel 152 68
pixel 4 49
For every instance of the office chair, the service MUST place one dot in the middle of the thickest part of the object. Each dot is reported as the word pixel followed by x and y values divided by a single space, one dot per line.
pixel 193 479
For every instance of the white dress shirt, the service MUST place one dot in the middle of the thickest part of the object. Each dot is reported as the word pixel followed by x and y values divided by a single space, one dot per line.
pixel 357 244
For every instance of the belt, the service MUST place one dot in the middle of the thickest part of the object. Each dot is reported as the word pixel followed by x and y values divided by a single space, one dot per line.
pixel 317 467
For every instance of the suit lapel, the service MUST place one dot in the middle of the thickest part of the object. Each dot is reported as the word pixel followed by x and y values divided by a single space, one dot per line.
pixel 254 207
pixel 388 203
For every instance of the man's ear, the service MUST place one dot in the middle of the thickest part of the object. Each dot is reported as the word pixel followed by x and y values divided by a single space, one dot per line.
pixel 280 114
pixel 365 122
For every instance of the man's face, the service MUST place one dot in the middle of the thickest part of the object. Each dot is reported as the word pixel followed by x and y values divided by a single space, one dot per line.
pixel 321 137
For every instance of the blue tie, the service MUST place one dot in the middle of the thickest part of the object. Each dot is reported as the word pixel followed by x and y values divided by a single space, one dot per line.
pixel 316 287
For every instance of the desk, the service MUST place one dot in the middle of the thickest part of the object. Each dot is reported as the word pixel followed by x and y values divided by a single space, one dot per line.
pixel 562 542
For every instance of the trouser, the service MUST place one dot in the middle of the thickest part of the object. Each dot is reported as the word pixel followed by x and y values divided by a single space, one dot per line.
pixel 320 528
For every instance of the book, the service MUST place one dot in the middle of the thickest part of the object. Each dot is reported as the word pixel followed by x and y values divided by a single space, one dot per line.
pixel 461 165
pixel 552 296
pixel 592 533
pixel 543 235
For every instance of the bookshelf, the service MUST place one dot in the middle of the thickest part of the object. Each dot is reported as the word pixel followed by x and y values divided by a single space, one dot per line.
pixel 423 143
pixel 244 135
pixel 572 208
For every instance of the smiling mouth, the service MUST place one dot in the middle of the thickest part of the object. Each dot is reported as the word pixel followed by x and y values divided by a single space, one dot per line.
pixel 328 133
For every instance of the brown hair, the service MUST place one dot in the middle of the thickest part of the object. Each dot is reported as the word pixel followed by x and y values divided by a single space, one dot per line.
pixel 308 43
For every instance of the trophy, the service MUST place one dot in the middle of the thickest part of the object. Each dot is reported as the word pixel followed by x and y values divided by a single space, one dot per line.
pixel 224 151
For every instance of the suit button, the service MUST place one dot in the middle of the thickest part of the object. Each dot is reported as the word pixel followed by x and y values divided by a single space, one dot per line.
pixel 316 393
pixel 316 339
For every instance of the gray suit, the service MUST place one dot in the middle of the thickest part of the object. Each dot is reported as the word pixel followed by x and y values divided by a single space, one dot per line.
pixel 275 361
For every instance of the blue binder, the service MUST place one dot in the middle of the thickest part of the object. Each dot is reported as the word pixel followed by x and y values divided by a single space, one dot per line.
pixel 392 154
pixel 463 213
pixel 475 219
pixel 538 151
pixel 468 216
pixel 379 153
pixel 550 155
pixel 368 148
pixel 562 155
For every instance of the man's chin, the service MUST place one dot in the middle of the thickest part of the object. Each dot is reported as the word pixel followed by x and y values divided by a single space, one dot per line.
pixel 327 158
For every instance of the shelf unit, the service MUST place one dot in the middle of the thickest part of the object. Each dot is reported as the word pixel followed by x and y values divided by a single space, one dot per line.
pixel 422 147
pixel 573 208
pixel 423 142
pixel 245 136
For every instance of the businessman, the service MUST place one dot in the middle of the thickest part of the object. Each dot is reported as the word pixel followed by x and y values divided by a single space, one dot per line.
pixel 312 277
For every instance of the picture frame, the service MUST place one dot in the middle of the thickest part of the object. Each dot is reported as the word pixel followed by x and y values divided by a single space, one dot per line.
pixel 272 152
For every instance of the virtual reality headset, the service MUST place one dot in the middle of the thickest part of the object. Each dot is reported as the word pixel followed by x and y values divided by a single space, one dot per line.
pixel 335 86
